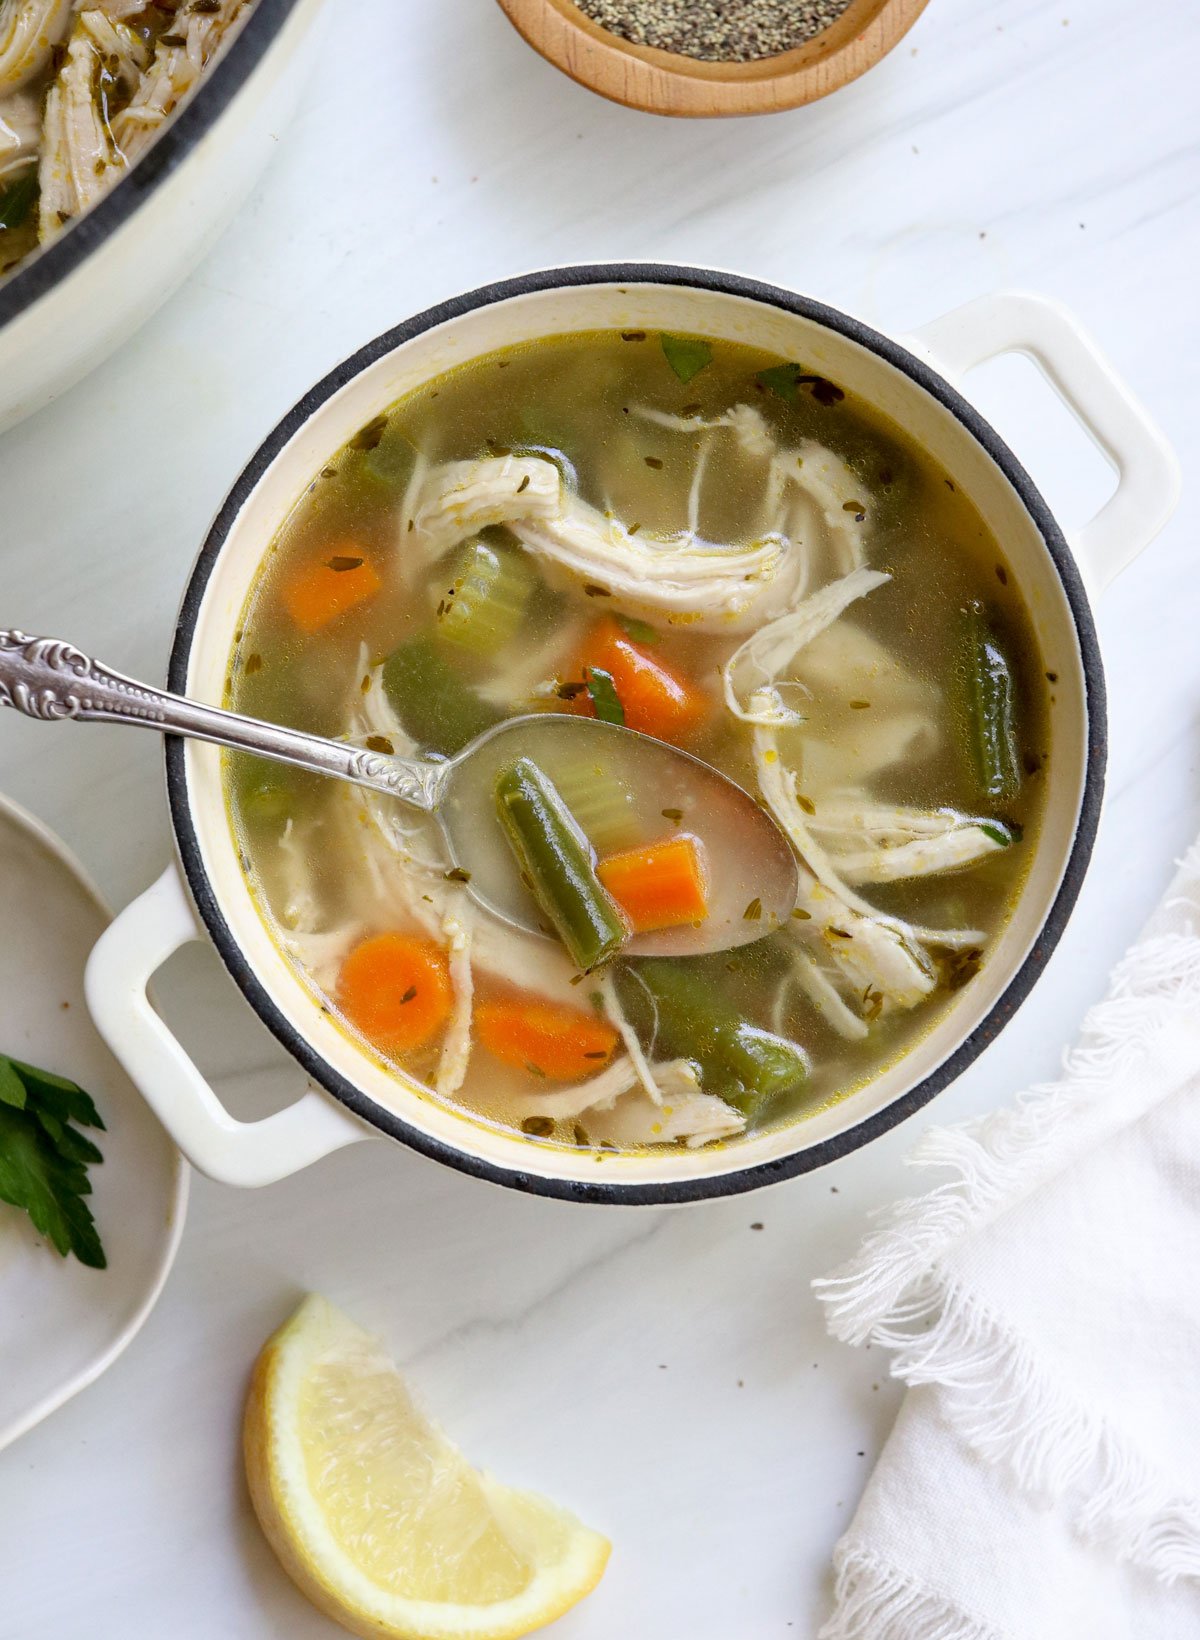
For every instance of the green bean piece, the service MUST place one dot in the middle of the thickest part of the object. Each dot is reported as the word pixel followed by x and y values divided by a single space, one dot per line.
pixel 991 709
pixel 268 802
pixel 557 863
pixel 269 794
pixel 436 706
pixel 682 1005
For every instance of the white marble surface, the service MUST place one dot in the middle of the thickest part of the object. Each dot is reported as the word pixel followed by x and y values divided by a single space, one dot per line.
pixel 665 1373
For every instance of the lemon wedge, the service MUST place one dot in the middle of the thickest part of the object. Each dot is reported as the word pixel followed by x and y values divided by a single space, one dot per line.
pixel 380 1520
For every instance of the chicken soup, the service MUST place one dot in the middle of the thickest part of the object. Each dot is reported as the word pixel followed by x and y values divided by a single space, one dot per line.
pixel 721 550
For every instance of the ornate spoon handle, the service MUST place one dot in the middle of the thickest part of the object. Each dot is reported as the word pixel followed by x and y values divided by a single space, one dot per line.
pixel 47 678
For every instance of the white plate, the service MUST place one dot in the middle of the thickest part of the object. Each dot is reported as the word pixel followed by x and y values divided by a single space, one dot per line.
pixel 61 1325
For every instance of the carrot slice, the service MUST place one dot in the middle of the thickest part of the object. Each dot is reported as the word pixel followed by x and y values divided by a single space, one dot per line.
pixel 661 885
pixel 395 988
pixel 322 592
pixel 654 697
pixel 563 1044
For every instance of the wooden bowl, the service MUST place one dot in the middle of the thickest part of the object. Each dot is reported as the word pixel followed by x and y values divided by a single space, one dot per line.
pixel 663 82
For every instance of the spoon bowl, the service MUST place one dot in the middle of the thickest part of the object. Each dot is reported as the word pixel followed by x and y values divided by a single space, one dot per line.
pixel 662 792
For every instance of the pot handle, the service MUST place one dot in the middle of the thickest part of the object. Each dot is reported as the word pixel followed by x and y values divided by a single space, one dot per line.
pixel 134 945
pixel 1148 476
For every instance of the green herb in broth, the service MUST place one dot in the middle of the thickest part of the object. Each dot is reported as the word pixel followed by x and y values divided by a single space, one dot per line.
pixel 869 729
pixel 686 355
pixel 557 865
pixel 603 691
pixel 17 200
pixel 786 380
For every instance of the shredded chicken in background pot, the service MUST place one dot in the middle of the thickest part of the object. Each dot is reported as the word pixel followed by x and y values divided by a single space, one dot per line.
pixel 84 90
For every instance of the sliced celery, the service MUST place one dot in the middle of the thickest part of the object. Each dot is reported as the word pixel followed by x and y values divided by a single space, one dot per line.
pixel 483 597
pixel 601 803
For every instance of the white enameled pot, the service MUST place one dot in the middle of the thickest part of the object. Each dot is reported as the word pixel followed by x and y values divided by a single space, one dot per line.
pixel 70 305
pixel 206 892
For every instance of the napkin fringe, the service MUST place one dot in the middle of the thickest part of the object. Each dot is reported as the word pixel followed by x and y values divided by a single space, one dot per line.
pixel 1001 1157
pixel 993 1392
pixel 876 1601
pixel 897 1294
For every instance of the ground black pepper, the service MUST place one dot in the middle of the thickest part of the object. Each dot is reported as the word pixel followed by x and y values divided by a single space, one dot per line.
pixel 729 31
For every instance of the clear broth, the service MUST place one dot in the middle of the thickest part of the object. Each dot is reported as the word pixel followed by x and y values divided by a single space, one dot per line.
pixel 578 397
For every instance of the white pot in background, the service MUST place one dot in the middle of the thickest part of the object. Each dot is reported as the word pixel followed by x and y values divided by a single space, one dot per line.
pixel 64 310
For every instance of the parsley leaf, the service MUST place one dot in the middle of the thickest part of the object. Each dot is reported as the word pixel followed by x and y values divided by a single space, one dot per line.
pixel 786 380
pixel 16 201
pixel 44 1159
pixel 12 1089
pixel 1003 832
pixel 605 700
pixel 686 355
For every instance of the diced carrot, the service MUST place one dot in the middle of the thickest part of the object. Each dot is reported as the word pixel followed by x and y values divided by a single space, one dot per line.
pixel 395 988
pixel 655 698
pixel 563 1044
pixel 661 885
pixel 322 592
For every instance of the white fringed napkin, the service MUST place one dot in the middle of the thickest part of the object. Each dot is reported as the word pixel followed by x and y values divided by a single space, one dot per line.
pixel 1043 1304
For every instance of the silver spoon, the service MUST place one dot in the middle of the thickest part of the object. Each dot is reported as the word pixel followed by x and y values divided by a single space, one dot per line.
pixel 751 867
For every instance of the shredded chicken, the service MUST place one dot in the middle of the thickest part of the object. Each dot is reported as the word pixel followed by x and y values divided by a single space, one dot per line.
pixel 20 132
pixel 80 155
pixel 691 580
pixel 29 32
pixel 459 498
pixel 962 846
pixel 809 493
pixel 691 1116
pixel 755 668
pixel 173 74
pixel 112 94
pixel 456 1044
pixel 642 1067
pixel 872 952
pixel 694 584
pixel 823 993
pixel 613 1107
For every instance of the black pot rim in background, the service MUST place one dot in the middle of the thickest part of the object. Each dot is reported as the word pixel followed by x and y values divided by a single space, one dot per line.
pixel 45 269
pixel 753 1175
